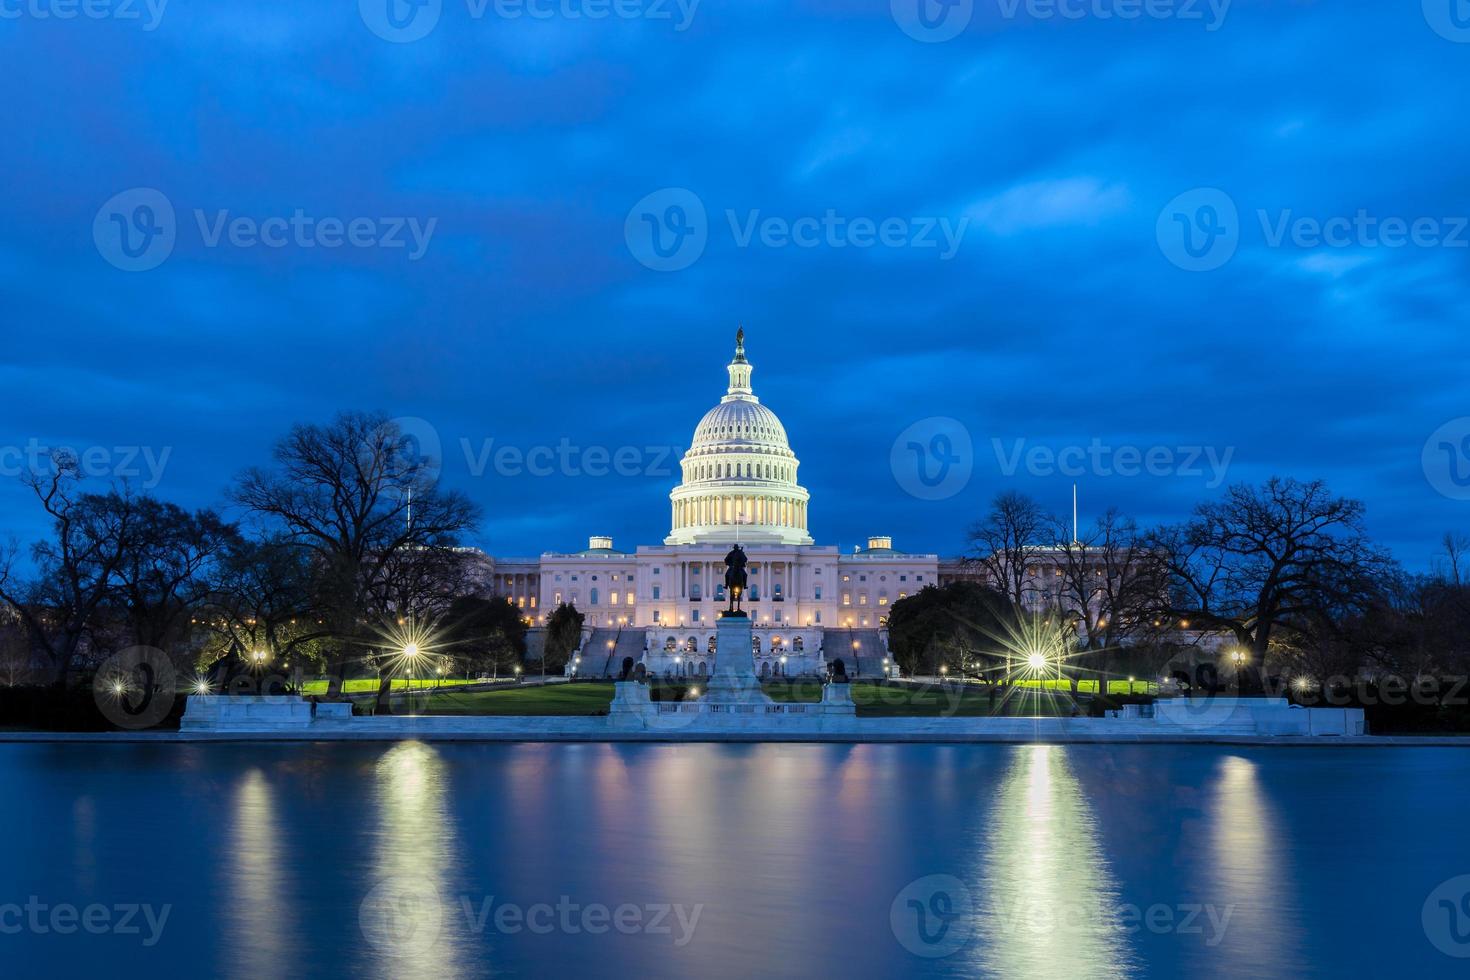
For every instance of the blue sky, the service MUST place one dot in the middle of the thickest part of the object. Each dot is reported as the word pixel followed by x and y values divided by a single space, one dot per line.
pixel 1064 152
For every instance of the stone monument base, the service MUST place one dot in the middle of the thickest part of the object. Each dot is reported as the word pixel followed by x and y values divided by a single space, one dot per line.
pixel 734 680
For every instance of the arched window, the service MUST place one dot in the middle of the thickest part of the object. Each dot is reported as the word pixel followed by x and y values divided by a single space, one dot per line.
pixel 710 646
pixel 702 669
pixel 691 645
pixel 798 644
pixel 670 644
pixel 755 644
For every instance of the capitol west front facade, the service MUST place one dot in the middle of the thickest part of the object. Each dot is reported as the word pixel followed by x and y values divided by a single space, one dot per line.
pixel 657 605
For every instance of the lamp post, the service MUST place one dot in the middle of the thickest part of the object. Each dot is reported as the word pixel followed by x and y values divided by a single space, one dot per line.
pixel 1238 656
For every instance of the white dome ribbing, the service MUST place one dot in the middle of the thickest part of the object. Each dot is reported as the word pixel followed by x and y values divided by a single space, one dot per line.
pixel 739 475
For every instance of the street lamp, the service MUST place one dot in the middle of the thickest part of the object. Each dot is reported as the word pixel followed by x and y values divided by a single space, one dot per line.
pixel 1238 656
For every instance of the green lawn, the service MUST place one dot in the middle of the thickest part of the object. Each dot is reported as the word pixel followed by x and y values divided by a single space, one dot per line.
pixel 548 699
pixel 872 700
pixel 368 685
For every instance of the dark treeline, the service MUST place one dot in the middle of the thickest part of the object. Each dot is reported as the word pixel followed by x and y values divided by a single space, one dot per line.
pixel 1276 585
pixel 343 552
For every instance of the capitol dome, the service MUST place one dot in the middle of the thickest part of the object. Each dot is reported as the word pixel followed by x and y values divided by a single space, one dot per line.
pixel 739 475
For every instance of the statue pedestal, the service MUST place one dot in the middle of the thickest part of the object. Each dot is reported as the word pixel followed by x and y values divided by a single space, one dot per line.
pixel 734 680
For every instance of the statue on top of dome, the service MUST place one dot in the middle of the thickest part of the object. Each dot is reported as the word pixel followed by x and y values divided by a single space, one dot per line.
pixel 740 343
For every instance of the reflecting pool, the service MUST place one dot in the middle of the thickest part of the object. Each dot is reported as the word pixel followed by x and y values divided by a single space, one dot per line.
pixel 703 860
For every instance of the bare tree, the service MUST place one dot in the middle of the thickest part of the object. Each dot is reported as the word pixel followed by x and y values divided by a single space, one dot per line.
pixel 1113 588
pixel 168 571
pixel 1007 544
pixel 1453 567
pixel 1283 557
pixel 355 495
pixel 76 569
pixel 265 598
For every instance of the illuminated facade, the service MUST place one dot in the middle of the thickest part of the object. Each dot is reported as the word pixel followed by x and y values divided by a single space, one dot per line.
pixel 658 604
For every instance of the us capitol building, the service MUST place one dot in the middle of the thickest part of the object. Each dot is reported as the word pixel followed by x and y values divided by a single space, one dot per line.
pixel 657 605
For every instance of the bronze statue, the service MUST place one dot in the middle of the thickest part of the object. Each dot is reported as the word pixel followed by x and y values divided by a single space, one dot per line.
pixel 735 579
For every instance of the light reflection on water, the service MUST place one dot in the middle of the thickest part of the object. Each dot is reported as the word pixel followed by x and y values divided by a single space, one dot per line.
pixel 263 918
pixel 315 860
pixel 411 917
pixel 1049 905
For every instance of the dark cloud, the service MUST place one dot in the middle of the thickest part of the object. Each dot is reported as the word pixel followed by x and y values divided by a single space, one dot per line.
pixel 1059 321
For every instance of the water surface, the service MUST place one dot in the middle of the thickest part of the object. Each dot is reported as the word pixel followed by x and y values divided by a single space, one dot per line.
pixel 734 860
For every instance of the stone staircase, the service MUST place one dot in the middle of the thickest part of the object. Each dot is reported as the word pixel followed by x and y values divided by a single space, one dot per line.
pixel 864 662
pixel 599 661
